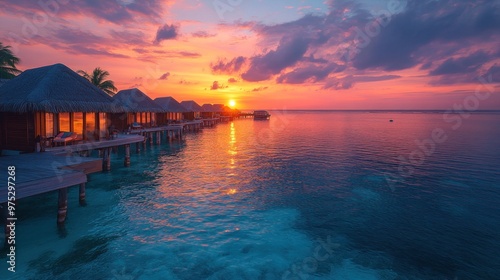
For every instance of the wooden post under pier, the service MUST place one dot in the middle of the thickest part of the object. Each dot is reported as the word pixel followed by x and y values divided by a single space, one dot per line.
pixel 106 159
pixel 127 155
pixel 62 207
pixel 81 197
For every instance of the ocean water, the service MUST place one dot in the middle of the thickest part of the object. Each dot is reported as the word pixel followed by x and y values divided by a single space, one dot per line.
pixel 305 195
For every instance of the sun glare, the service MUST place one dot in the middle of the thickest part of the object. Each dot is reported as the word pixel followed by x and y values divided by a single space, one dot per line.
pixel 232 103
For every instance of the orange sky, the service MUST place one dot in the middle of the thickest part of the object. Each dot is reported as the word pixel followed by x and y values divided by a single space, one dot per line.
pixel 290 52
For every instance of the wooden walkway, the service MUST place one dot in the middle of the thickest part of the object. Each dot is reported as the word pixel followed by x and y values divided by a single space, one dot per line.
pixel 120 140
pixel 38 173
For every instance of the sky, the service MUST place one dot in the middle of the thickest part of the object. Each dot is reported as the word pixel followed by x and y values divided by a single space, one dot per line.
pixel 270 54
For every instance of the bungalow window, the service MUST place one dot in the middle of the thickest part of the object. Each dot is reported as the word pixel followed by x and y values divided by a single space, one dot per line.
pixel 103 129
pixel 90 126
pixel 64 122
pixel 49 125
pixel 78 123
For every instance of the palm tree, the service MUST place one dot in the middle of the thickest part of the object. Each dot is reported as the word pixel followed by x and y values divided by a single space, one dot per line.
pixel 8 63
pixel 98 78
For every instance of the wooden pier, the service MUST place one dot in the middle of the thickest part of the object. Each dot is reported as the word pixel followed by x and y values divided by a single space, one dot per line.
pixel 58 169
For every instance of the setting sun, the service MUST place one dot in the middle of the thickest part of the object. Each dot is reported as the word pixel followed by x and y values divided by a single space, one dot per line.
pixel 232 103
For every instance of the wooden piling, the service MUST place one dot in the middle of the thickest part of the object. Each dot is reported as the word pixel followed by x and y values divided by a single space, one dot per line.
pixel 81 197
pixel 62 208
pixel 127 155
pixel 106 159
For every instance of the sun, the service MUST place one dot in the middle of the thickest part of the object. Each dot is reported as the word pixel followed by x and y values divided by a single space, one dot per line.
pixel 232 103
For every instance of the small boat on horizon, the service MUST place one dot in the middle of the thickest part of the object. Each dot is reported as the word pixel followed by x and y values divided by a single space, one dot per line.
pixel 261 115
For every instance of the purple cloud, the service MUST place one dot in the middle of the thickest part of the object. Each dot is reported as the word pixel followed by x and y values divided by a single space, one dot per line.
pixel 118 12
pixel 232 80
pixel 349 81
pixel 224 67
pixel 166 32
pixel 309 74
pixel 164 76
pixel 215 86
pixel 287 54
pixel 259 89
pixel 467 64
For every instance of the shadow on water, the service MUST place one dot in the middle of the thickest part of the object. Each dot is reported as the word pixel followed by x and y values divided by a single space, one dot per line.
pixel 71 264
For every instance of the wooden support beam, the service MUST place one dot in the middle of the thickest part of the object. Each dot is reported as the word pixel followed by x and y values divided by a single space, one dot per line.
pixel 106 159
pixel 81 197
pixel 127 155
pixel 62 206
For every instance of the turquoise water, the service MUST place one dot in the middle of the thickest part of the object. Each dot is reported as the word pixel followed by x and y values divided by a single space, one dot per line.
pixel 306 195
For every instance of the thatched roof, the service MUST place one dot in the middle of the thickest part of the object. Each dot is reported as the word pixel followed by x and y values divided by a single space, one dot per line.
pixel 135 101
pixel 191 106
pixel 218 108
pixel 207 108
pixel 54 88
pixel 169 104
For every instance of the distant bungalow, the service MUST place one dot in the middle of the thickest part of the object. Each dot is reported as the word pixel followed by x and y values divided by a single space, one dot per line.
pixel 173 110
pixel 140 110
pixel 51 99
pixel 207 111
pixel 193 110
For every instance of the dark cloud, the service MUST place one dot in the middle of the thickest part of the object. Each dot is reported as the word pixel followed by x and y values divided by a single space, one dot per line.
pixel 224 67
pixel 467 64
pixel 349 81
pixel 288 53
pixel 215 86
pixel 309 74
pixel 259 89
pixel 166 32
pixel 232 80
pixel 81 49
pixel 462 70
pixel 120 11
pixel 164 76
pixel 430 24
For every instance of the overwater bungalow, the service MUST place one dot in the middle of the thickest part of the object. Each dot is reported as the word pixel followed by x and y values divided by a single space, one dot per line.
pixel 207 111
pixel 140 110
pixel 48 100
pixel 193 110
pixel 173 110
pixel 218 109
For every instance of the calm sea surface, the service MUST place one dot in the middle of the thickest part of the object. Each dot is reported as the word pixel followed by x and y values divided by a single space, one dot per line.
pixel 306 195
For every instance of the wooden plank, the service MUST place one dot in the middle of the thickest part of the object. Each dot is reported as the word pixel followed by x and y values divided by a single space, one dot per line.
pixel 120 141
pixel 38 173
